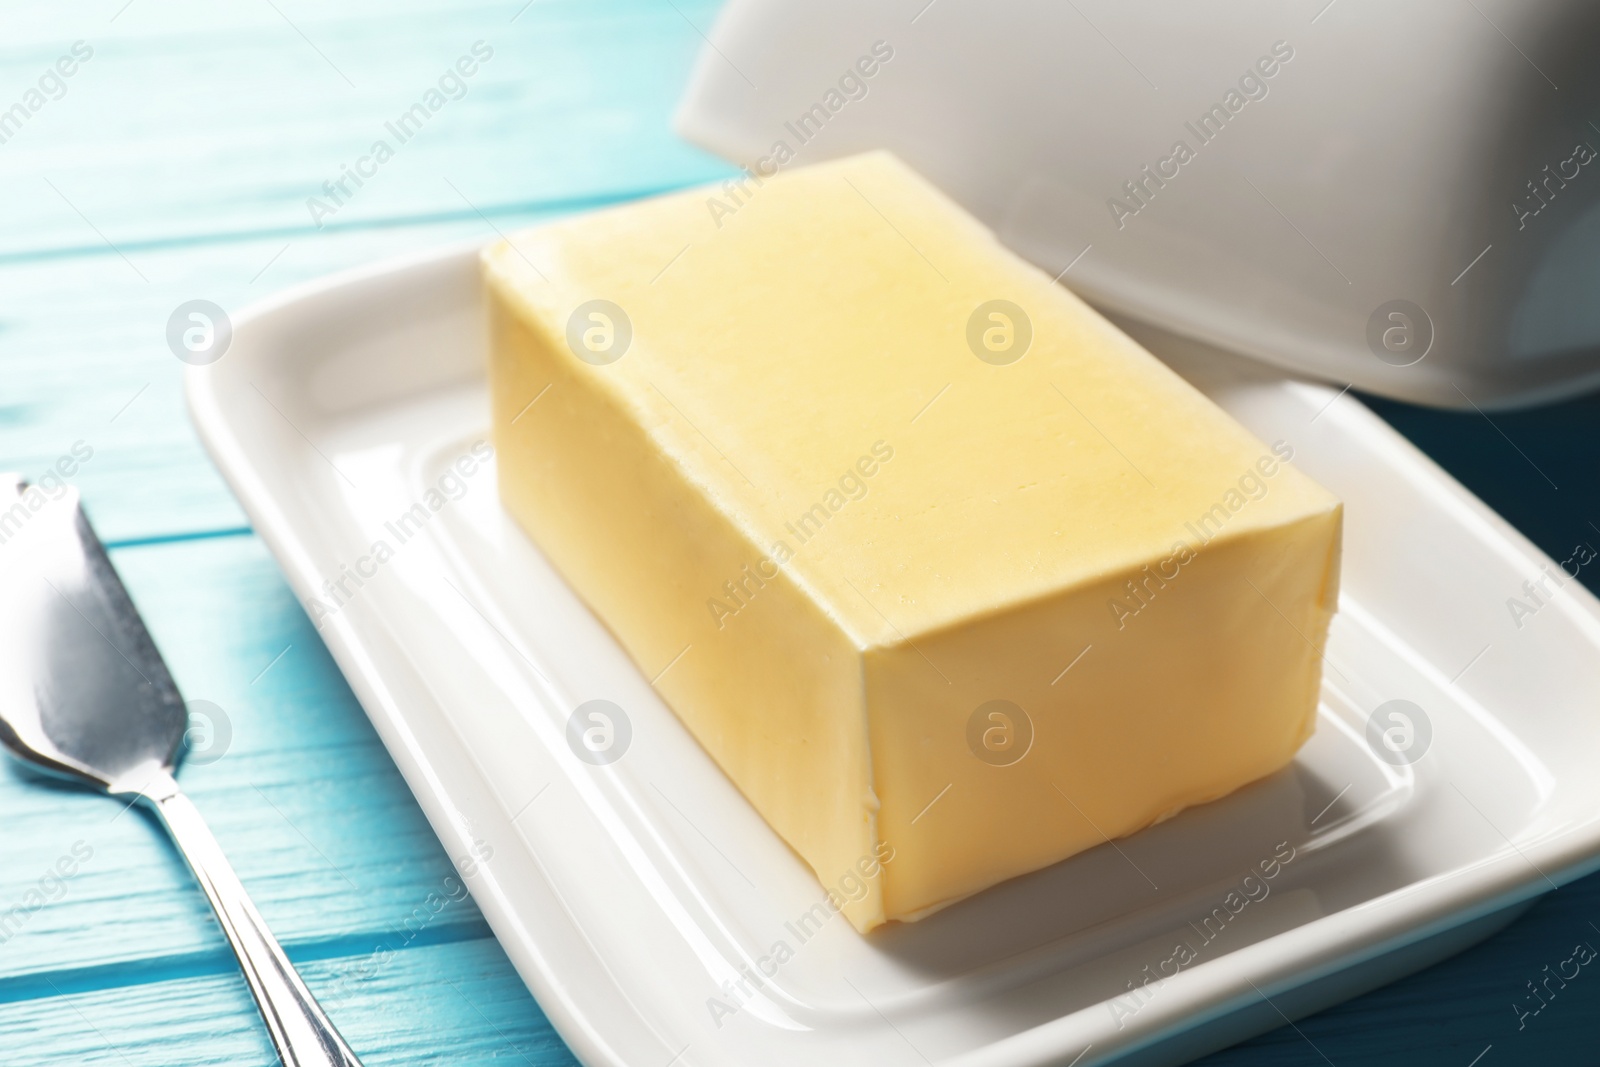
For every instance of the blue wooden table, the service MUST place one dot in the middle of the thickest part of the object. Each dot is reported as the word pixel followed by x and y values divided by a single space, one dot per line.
pixel 185 156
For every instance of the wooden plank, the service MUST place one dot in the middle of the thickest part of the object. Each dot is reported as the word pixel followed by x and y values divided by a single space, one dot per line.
pixel 196 121
pixel 226 120
pixel 457 1004
pixel 309 807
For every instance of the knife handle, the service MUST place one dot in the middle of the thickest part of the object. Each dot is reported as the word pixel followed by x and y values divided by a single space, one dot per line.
pixel 301 1033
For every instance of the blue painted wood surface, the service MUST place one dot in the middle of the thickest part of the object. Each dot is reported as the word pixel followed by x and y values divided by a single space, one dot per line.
pixel 176 163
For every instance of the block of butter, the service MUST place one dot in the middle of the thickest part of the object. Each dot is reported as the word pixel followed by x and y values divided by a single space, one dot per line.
pixel 949 576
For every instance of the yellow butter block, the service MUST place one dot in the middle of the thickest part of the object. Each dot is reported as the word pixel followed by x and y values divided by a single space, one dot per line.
pixel 950 577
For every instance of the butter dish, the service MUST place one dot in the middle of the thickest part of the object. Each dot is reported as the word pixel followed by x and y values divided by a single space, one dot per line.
pixel 658 918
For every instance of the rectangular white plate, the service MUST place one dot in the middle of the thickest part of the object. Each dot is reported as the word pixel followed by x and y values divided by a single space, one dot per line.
pixel 633 897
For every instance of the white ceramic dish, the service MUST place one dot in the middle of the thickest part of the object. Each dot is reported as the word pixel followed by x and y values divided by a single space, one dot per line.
pixel 631 895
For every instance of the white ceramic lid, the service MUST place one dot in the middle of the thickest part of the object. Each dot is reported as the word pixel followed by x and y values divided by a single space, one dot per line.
pixel 1402 197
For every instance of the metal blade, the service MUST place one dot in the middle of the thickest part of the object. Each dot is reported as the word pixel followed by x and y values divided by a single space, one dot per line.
pixel 83 690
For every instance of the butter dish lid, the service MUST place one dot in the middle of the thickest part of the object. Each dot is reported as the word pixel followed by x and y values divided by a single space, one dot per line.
pixel 1404 198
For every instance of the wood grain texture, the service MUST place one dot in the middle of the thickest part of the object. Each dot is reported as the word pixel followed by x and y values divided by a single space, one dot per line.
pixel 456 1005
pixel 180 159
pixel 288 771
pixel 198 122
pixel 177 164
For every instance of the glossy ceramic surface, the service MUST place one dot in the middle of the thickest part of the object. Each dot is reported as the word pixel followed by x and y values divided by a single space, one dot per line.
pixel 645 902
pixel 1402 196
